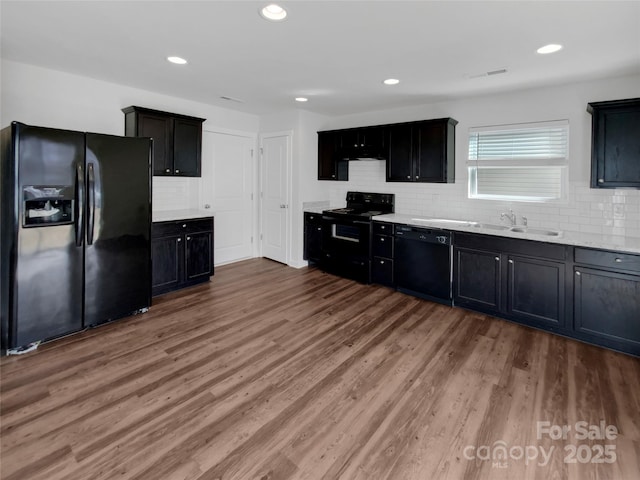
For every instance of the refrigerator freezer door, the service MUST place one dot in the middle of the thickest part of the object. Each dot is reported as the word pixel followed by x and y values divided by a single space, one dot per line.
pixel 47 280
pixel 118 219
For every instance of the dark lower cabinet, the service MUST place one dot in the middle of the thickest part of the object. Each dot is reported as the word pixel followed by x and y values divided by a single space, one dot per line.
pixel 519 280
pixel 477 279
pixel 181 254
pixel 535 290
pixel 312 237
pixel 606 296
pixel 382 261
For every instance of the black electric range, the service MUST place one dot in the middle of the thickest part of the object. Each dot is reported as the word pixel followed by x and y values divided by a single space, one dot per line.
pixel 346 234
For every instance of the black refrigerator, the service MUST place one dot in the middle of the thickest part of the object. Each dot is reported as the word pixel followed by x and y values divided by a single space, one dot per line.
pixel 75 231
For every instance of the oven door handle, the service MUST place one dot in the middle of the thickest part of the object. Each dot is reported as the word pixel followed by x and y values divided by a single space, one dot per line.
pixel 345 220
pixel 359 222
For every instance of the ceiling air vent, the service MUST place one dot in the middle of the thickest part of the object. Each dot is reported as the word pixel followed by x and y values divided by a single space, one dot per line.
pixel 231 99
pixel 490 73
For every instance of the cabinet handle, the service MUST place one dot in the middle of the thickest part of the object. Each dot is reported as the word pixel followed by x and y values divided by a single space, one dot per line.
pixel 381 262
pixel 511 261
pixel 333 176
pixel 578 273
pixel 409 177
pixel 188 238
pixel 177 171
pixel 319 229
pixel 179 240
pixel 383 227
pixel 168 170
pixel 382 239
pixel 497 259
pixel 184 225
pixel 601 180
pixel 417 177
pixel 618 260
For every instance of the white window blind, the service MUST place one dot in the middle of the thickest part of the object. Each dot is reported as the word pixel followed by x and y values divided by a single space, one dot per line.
pixel 526 162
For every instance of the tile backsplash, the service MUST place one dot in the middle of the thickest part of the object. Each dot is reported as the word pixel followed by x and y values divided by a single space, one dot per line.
pixel 175 193
pixel 603 211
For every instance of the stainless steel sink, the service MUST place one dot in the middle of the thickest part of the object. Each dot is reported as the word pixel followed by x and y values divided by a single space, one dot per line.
pixel 536 231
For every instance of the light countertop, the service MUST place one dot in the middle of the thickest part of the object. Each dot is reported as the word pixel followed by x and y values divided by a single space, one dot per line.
pixel 187 214
pixel 591 240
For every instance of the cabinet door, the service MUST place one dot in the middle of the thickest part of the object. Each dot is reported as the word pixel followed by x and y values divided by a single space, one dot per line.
pixel 535 290
pixel 312 242
pixel 199 255
pixel 616 143
pixel 167 257
pixel 159 128
pixel 400 161
pixel 187 147
pixel 327 148
pixel 607 305
pixel 477 279
pixel 430 159
pixel 382 271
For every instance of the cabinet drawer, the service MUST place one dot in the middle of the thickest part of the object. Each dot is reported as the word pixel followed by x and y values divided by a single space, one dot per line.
pixel 313 218
pixel 382 228
pixel 382 246
pixel 161 229
pixel 620 261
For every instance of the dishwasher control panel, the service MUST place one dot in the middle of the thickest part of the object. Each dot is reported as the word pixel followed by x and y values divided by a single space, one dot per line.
pixel 428 235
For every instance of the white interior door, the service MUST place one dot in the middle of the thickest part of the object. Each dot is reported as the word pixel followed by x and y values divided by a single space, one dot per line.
pixel 276 152
pixel 227 175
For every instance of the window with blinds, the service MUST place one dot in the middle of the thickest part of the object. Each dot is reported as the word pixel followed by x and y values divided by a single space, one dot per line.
pixel 524 162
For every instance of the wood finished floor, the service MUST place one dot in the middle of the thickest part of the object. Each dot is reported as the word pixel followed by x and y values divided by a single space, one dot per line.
pixel 269 373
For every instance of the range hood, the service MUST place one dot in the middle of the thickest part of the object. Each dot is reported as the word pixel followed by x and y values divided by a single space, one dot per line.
pixel 363 152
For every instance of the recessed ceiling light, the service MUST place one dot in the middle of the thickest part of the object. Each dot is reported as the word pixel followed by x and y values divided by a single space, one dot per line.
pixel 302 99
pixel 273 12
pixel 551 48
pixel 391 81
pixel 177 60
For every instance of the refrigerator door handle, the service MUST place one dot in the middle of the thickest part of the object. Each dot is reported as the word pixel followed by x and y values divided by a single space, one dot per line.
pixel 80 205
pixel 91 207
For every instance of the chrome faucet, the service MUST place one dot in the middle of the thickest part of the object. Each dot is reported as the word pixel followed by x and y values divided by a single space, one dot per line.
pixel 511 216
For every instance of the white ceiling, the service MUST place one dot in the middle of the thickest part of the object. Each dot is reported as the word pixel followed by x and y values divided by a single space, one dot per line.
pixel 336 53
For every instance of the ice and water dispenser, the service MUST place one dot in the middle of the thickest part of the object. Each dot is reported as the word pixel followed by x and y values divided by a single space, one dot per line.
pixel 48 205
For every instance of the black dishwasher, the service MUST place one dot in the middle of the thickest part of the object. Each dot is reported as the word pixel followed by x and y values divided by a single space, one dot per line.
pixel 423 263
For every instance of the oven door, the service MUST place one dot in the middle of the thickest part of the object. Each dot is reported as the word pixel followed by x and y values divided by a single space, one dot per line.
pixel 346 246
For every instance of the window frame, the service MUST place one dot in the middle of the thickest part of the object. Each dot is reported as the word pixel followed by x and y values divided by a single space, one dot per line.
pixel 526 162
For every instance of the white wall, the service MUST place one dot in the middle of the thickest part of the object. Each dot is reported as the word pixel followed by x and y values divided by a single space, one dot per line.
pixel 606 211
pixel 45 97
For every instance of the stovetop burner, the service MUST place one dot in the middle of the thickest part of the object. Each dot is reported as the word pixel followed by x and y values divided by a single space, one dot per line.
pixel 365 205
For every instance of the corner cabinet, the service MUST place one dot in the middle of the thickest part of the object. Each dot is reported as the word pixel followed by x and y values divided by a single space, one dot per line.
pixel 422 151
pixel 607 298
pixel 615 143
pixel 177 139
pixel 181 254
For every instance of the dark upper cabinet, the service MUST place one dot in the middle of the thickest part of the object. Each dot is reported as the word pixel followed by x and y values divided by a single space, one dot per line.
pixel 422 151
pixel 615 143
pixel 177 139
pixel 364 142
pixel 329 166
pixel 400 157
